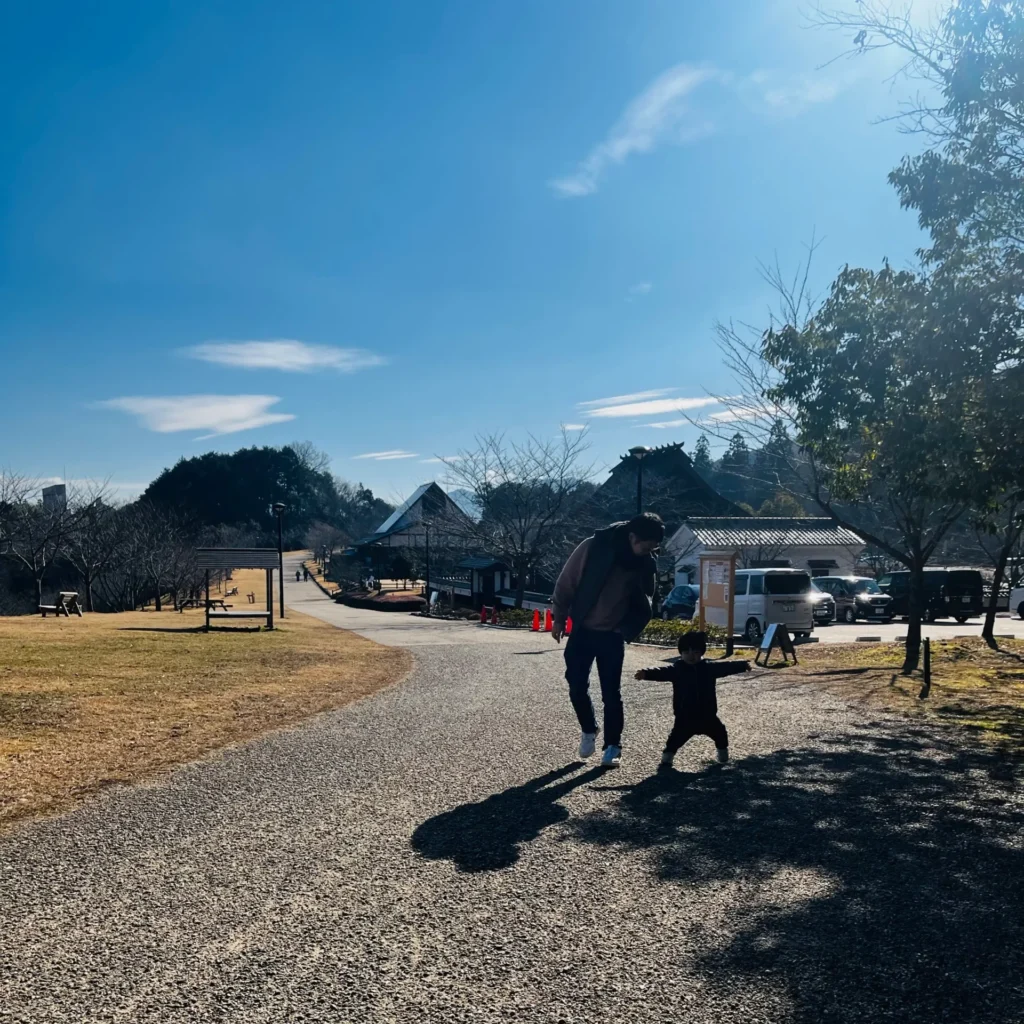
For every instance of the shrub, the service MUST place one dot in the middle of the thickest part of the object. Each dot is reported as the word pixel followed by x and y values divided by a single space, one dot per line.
pixel 515 617
pixel 659 632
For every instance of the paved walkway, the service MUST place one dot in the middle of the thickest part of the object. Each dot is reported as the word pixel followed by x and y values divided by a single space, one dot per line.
pixel 434 854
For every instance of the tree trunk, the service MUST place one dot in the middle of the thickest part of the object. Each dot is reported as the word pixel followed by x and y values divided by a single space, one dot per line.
pixel 87 584
pixel 917 599
pixel 989 629
pixel 159 603
pixel 521 588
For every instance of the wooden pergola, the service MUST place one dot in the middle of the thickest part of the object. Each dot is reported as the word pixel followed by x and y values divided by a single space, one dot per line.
pixel 239 558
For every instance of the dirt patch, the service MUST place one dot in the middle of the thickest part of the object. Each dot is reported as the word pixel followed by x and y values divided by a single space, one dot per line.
pixel 86 703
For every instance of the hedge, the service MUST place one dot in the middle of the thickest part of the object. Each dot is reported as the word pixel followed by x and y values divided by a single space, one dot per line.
pixel 661 632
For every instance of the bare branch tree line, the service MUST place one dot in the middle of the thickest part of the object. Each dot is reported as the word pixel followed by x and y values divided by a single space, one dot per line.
pixel 118 556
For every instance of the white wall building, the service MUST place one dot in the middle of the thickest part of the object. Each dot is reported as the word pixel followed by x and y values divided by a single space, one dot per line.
pixel 818 545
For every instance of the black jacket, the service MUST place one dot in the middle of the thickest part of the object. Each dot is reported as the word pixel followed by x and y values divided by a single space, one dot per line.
pixel 693 686
pixel 600 559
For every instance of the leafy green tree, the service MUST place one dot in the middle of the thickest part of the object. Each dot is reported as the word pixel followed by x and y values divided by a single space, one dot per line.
pixel 888 385
pixel 702 456
pixel 968 187
pixel 737 456
pixel 781 505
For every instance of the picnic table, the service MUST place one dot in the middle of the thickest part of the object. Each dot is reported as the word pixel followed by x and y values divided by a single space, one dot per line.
pixel 218 602
pixel 67 602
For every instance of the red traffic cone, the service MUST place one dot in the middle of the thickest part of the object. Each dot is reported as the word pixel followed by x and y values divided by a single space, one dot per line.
pixel 483 615
pixel 494 615
pixel 568 625
pixel 536 620
pixel 549 622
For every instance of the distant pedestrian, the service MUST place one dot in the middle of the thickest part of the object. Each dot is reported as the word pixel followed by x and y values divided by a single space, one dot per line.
pixel 305 574
pixel 605 587
pixel 297 576
pixel 694 701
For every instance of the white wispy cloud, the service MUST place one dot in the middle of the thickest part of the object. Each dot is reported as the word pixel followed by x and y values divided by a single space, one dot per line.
pixel 637 396
pixel 642 288
pixel 664 113
pixel 442 458
pixel 215 414
pixel 653 407
pixel 389 456
pixel 668 424
pixel 574 426
pixel 744 413
pixel 284 354
pixel 657 115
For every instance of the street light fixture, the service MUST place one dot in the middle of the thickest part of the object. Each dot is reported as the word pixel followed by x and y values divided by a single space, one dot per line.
pixel 639 453
pixel 278 509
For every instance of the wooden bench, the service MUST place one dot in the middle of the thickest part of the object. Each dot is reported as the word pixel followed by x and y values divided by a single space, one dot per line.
pixel 240 615
pixel 217 602
pixel 67 602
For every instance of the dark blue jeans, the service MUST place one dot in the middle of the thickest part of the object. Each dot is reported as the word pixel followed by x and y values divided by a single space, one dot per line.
pixel 583 648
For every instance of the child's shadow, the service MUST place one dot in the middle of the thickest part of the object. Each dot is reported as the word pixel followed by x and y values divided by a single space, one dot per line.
pixel 486 836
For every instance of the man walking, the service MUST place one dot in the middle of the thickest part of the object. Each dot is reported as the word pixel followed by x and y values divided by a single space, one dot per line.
pixel 606 588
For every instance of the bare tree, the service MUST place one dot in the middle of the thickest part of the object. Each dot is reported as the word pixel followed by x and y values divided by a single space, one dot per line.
pixel 94 536
pixel 311 457
pixel 999 535
pixel 529 495
pixel 324 540
pixel 34 532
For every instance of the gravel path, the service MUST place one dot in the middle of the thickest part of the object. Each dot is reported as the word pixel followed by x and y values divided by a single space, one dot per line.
pixel 433 853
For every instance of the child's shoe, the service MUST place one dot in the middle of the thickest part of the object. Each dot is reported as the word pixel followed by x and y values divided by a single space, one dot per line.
pixel 588 744
pixel 723 754
pixel 667 759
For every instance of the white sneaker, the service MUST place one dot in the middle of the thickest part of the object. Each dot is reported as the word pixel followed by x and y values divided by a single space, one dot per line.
pixel 723 754
pixel 588 743
pixel 612 757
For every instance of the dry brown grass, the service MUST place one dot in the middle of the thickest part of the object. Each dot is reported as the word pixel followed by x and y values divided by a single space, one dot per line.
pixel 973 687
pixel 88 702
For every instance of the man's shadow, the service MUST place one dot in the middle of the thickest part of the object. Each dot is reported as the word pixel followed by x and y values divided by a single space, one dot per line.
pixel 486 836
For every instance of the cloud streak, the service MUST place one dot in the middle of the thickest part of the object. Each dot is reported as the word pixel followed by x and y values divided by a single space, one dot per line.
pixel 388 456
pixel 663 114
pixel 637 396
pixel 284 354
pixel 652 407
pixel 215 414
pixel 653 117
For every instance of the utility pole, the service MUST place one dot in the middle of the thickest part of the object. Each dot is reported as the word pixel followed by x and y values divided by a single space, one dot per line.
pixel 278 509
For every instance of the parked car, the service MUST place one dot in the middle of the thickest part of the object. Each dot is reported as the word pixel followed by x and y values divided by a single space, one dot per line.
pixel 948 593
pixel 824 606
pixel 764 596
pixel 681 602
pixel 857 597
pixel 1017 601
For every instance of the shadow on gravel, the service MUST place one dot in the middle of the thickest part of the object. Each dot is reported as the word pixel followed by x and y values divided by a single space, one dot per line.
pixel 877 879
pixel 486 836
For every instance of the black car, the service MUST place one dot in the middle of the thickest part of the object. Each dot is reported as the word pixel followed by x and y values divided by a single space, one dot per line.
pixel 948 593
pixel 824 610
pixel 681 603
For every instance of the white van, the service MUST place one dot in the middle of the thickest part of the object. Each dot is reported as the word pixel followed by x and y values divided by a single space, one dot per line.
pixel 764 596
pixel 1017 602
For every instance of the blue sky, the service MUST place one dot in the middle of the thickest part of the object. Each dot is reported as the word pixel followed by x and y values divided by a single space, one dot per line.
pixel 387 226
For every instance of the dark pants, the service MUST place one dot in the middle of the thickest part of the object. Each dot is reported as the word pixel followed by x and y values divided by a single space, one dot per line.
pixel 583 648
pixel 686 727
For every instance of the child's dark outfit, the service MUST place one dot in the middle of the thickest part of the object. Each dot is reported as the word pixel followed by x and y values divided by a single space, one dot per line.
pixel 694 701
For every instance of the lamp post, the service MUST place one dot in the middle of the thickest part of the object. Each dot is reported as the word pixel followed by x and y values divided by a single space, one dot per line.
pixel 278 510
pixel 639 453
